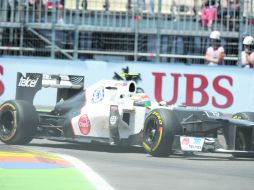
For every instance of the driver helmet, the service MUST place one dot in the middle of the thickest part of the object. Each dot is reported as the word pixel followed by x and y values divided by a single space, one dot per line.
pixel 141 99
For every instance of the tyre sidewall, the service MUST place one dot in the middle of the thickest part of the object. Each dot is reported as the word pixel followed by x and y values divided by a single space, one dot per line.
pixel 9 107
pixel 249 116
pixel 25 121
pixel 168 126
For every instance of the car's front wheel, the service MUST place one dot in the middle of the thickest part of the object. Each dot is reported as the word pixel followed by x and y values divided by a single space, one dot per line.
pixel 243 135
pixel 161 125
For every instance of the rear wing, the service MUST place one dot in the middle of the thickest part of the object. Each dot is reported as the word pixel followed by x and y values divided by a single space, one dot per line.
pixel 67 85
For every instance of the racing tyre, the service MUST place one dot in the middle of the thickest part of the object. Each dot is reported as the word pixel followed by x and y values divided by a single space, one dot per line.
pixel 159 129
pixel 18 120
pixel 243 141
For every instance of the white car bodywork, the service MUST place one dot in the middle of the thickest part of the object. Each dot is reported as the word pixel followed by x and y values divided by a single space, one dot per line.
pixel 98 99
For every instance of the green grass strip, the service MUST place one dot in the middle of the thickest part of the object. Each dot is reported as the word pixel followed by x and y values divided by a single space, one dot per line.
pixel 43 179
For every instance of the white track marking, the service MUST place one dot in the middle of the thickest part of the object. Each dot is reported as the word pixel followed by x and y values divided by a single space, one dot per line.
pixel 98 182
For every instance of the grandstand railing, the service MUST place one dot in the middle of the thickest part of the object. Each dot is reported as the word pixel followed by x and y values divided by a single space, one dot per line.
pixel 152 30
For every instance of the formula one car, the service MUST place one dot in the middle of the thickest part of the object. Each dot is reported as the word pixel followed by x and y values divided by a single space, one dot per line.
pixel 111 112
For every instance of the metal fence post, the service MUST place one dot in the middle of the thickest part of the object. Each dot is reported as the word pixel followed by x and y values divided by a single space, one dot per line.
pixel 251 28
pixel 23 6
pixel 240 32
pixel 3 6
pixel 158 41
pixel 137 19
pixel 53 34
pixel 76 34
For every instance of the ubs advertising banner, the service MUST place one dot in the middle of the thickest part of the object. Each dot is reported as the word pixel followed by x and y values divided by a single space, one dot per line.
pixel 221 88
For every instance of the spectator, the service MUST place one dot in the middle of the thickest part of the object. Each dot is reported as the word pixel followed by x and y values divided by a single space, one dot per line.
pixel 247 9
pixel 37 5
pixel 137 6
pixel 12 9
pixel 186 6
pixel 84 4
pixel 129 5
pixel 49 4
pixel 208 13
pixel 15 10
pixel 4 12
pixel 151 7
pixel 246 58
pixel 215 54
pixel 106 5
pixel 231 8
pixel 230 12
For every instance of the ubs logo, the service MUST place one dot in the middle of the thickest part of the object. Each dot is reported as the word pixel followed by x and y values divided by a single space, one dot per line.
pixel 1 82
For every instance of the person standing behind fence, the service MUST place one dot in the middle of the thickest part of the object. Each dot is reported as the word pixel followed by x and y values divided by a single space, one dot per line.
pixel 247 57
pixel 49 4
pixel 151 7
pixel 37 6
pixel 215 54
pixel 84 4
pixel 106 5
pixel 231 8
pixel 12 10
pixel 208 13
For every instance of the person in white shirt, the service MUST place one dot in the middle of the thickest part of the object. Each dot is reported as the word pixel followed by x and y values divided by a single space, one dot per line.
pixel 215 54
pixel 247 57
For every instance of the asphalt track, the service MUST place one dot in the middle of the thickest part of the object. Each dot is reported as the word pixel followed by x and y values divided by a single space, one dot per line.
pixel 131 168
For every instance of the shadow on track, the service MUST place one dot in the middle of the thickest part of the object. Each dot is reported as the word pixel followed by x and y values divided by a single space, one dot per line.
pixel 212 157
pixel 92 147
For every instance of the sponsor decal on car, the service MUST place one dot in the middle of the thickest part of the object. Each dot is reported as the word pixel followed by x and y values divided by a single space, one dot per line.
pixel 98 95
pixel 84 124
pixel 114 107
pixel 186 141
pixel 212 113
pixel 120 84
pixel 156 114
pixel 191 143
pixel 28 82
pixel 113 120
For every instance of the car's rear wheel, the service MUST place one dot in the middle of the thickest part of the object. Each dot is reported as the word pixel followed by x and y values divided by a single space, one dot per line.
pixel 18 120
pixel 161 125
pixel 243 136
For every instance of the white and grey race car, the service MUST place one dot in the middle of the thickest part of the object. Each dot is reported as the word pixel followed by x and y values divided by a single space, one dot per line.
pixel 112 112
